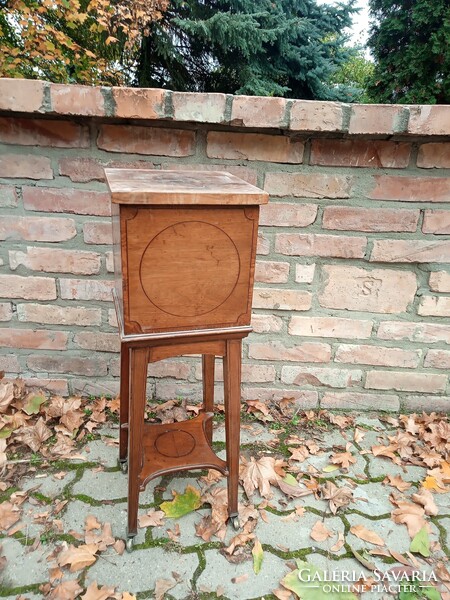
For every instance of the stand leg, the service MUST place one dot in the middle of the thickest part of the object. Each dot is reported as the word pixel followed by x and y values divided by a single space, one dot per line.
pixel 232 388
pixel 139 363
pixel 208 361
pixel 124 402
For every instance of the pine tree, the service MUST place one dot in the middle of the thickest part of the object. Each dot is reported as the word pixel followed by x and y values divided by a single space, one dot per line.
pixel 410 42
pixel 257 47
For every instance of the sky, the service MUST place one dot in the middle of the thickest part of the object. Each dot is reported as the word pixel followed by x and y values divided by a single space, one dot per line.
pixel 360 28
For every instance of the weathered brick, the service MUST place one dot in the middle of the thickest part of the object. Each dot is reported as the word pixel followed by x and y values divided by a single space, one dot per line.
pixel 8 196
pixel 98 341
pixel 165 368
pixel 440 281
pixel 80 202
pixel 56 260
pixel 164 389
pixel 76 365
pixel 426 403
pixel 375 119
pixel 281 214
pixel 429 119
pixel 59 315
pixel 54 386
pixel 198 107
pixel 112 317
pixel 82 170
pixel 254 146
pixel 378 290
pixel 138 103
pixel 263 245
pixel 83 100
pixel 406 382
pixel 245 173
pixel 410 251
pixel 410 189
pixel 415 332
pixel 94 387
pixel 6 312
pixel 276 299
pixel 266 323
pixel 28 288
pixel 305 352
pixel 43 132
pixel 39 339
pixel 437 359
pixel 360 153
pixel 337 327
pixel 317 376
pixel 250 373
pixel 312 115
pixel 21 95
pixel 308 185
pixel 436 221
pixel 360 401
pixel 303 400
pixel 25 166
pixel 379 356
pixel 146 140
pixel 304 273
pixel 97 232
pixel 271 272
pixel 435 306
pixel 434 156
pixel 258 111
pixel 37 229
pixel 348 218
pixel 86 289
pixel 109 262
pixel 10 364
pixel 312 244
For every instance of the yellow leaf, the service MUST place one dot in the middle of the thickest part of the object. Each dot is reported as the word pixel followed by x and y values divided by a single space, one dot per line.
pixel 258 555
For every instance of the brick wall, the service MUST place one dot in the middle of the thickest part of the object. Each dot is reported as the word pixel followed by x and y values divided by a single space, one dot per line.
pixel 352 293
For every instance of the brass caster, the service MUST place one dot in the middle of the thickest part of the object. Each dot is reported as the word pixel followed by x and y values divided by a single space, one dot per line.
pixel 235 523
pixel 129 544
pixel 123 464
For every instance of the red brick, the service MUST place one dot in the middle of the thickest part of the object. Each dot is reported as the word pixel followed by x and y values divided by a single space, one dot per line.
pixel 25 166
pixel 77 100
pixel 406 382
pixel 169 390
pixel 378 290
pixel 372 119
pixel 426 403
pixel 59 315
pixel 266 323
pixel 317 376
pixel 410 189
pixel 360 401
pixel 165 368
pixel 314 352
pixel 37 339
pixel 254 146
pixel 43 132
pixel 146 140
pixel 8 196
pixel 244 173
pixel 28 288
pixel 86 289
pixel 311 244
pixel 281 214
pixel 90 367
pixel 379 356
pixel 410 251
pixel 80 202
pixel 330 327
pixel 54 386
pixel 360 153
pixel 303 400
pixel 250 373
pixel 56 260
pixel 435 306
pixel 308 185
pixel 138 103
pixel 258 111
pixel 440 281
pixel 109 262
pixel 6 312
pixel 347 218
pixel 263 245
pixel 414 332
pixel 437 359
pixel 97 232
pixel 271 272
pixel 277 299
pixel 82 170
pixel 304 273
pixel 434 156
pixel 429 119
pixel 313 115
pixel 200 108
pixel 21 95
pixel 436 221
pixel 94 387
pixel 10 363
pixel 94 340
pixel 37 229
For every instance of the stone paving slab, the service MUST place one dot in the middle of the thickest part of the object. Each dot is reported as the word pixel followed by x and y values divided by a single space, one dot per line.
pixel 22 567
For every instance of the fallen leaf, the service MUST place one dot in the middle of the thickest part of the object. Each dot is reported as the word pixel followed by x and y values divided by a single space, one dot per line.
pixel 309 583
pixel 93 592
pixel 425 498
pixel 387 451
pixel 337 497
pixel 399 558
pixel 299 454
pixel 345 459
pixel 91 523
pixel 361 557
pixel 78 557
pixel 240 578
pixel 339 543
pixel 34 436
pixel 410 515
pixel 358 435
pixel 182 504
pixel 282 594
pixel 9 514
pixel 153 518
pixel 367 535
pixel 397 482
pixel 319 532
pixel 174 534
pixel 33 401
pixel 290 486
pixel 119 547
pixel 162 586
pixel 66 590
pixel 258 556
pixel 6 395
pixel 258 474
pixel 421 543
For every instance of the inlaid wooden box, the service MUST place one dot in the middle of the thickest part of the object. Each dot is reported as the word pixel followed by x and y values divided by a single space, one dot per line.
pixel 184 248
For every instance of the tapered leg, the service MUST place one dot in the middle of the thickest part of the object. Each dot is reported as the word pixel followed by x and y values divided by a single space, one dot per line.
pixel 124 401
pixel 232 388
pixel 138 378
pixel 208 361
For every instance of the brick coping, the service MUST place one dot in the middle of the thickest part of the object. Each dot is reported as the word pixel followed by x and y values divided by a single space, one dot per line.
pixel 381 120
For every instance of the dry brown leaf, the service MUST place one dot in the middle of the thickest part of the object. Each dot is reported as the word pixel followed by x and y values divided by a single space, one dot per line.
pixel 2 452
pixel 339 543
pixel 367 535
pixel 78 557
pixel 258 474
pixel 205 528
pixel 337 497
pixel 6 395
pixel 299 454
pixel 34 436
pixel 162 586
pixel 119 547
pixel 9 514
pixel 425 499
pixel 103 539
pixel 54 574
pixel 153 518
pixel 91 523
pixel 282 594
pixel 240 539
pixel 66 590
pixel 258 406
pixel 174 534
pixel 340 420
pixel 319 532
pixel 397 482
pixel 345 459
pixel 399 558
pixel 409 514
pixel 387 451
pixel 93 592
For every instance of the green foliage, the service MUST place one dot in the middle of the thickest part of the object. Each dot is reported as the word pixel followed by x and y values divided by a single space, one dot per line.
pixel 409 41
pixel 421 543
pixel 355 73
pixel 308 583
pixel 182 504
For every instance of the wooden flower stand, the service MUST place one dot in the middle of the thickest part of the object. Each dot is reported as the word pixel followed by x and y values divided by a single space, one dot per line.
pixel 184 257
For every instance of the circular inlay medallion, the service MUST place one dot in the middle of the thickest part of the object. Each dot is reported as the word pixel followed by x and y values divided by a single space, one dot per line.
pixel 175 443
